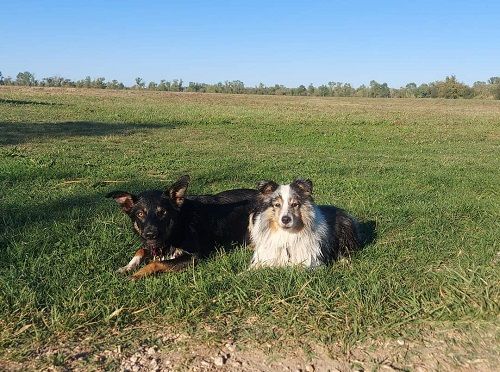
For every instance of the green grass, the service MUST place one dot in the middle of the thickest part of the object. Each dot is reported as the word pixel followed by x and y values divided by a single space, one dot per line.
pixel 427 171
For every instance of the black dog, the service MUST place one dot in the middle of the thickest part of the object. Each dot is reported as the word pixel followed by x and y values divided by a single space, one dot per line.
pixel 172 224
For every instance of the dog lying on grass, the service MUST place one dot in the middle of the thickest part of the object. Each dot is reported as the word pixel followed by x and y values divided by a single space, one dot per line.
pixel 287 228
pixel 176 229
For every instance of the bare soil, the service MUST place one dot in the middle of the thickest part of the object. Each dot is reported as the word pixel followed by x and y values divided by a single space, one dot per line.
pixel 463 349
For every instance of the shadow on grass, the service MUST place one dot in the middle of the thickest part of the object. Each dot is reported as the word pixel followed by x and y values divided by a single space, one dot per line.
pixel 17 133
pixel 368 230
pixel 26 102
pixel 78 211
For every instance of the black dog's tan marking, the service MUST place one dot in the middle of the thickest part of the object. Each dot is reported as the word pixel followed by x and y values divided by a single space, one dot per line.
pixel 169 220
pixel 171 265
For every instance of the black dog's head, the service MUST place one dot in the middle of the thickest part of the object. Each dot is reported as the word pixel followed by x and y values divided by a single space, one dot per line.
pixel 154 214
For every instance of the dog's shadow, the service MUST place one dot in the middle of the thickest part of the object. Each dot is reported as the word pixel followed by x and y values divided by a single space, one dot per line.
pixel 368 233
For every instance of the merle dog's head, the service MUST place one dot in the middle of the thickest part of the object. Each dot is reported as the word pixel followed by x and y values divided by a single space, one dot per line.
pixel 154 213
pixel 288 207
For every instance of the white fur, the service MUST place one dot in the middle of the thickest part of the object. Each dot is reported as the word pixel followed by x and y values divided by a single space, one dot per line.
pixel 284 191
pixel 284 248
pixel 134 262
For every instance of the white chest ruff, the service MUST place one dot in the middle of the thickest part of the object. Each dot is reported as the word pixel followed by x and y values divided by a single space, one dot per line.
pixel 280 247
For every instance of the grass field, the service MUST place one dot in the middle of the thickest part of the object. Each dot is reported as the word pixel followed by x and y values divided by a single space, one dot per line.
pixel 426 171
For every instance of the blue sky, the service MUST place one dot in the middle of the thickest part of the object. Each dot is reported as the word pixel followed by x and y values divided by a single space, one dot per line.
pixel 286 42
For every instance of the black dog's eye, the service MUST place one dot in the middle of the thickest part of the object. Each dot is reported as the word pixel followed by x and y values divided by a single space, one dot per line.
pixel 161 212
pixel 294 205
pixel 140 214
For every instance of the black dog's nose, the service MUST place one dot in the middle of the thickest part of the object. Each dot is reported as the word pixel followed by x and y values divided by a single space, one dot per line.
pixel 151 234
pixel 286 219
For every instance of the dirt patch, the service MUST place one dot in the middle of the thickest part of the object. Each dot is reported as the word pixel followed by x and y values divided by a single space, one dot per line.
pixel 471 348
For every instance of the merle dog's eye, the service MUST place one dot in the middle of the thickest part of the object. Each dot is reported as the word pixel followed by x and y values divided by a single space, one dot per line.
pixel 140 214
pixel 277 205
pixel 294 205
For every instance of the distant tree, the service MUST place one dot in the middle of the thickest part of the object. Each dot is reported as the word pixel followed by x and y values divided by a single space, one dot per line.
pixel 331 87
pixel 235 86
pixel 434 89
pixel 311 89
pixel 410 90
pixel 301 90
pixel 99 83
pixel 193 87
pixel 481 89
pixel 494 86
pixel 84 83
pixel 1 78
pixel 68 83
pixel 374 88
pixel 347 90
pixel 88 82
pixel 176 85
pixel 261 89
pixel 197 87
pixel 452 88
pixel 152 85
pixel 323 91
pixel 496 90
pixel 164 85
pixel 494 80
pixel 52 81
pixel 281 90
pixel 362 91
pixel 139 83
pixel 114 84
pixel 26 79
pixel 339 89
pixel 379 90
pixel 385 92
pixel 8 81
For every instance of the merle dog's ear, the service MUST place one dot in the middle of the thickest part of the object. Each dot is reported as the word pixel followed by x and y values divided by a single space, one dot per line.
pixel 124 199
pixel 305 186
pixel 177 192
pixel 267 187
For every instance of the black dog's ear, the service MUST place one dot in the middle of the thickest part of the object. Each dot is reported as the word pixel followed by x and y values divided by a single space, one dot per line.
pixel 306 186
pixel 177 192
pixel 267 187
pixel 124 199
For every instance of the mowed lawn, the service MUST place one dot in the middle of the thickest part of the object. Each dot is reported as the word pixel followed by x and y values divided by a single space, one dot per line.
pixel 425 171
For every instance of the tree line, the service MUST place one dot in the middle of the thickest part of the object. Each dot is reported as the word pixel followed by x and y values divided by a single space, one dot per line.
pixel 450 87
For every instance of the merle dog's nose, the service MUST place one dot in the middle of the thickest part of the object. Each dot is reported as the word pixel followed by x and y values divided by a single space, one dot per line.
pixel 151 234
pixel 286 219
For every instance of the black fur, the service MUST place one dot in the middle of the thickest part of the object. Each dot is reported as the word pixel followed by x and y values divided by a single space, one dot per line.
pixel 196 224
pixel 345 235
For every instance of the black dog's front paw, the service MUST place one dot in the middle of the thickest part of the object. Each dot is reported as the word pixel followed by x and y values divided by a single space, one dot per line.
pixel 123 270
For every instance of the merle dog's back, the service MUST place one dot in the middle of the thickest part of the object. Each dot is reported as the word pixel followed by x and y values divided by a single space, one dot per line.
pixel 345 235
